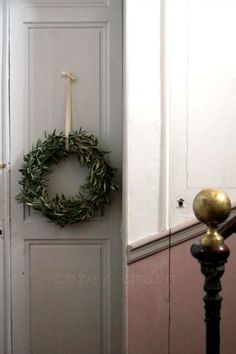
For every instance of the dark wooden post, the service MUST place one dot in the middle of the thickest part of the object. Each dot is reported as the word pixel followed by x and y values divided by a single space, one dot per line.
pixel 212 267
pixel 212 207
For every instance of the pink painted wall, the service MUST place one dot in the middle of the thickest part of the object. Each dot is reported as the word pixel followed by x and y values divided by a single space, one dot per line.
pixel 148 305
pixel 151 322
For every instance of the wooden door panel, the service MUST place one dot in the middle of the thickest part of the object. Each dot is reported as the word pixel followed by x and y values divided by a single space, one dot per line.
pixel 66 282
pixel 64 288
pixel 52 49
pixel 66 2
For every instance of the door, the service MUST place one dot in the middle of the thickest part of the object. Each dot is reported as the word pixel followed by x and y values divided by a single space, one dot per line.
pixel 66 282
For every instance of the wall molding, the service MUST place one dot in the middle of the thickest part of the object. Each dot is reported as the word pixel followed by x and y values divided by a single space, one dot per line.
pixel 48 3
pixel 168 238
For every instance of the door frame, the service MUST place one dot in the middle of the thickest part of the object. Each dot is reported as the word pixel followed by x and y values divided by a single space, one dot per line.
pixel 5 336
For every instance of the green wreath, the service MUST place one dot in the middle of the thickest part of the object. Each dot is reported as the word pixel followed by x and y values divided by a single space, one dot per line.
pixel 92 197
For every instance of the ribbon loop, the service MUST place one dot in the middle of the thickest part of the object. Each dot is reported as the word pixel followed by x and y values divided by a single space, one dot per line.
pixel 68 117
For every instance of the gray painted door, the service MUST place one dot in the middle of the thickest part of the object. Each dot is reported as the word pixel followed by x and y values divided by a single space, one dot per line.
pixel 66 282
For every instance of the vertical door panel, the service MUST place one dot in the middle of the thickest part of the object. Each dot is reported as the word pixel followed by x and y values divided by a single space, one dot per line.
pixel 66 282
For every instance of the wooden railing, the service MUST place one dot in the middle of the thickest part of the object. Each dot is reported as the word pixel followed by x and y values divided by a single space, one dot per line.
pixel 212 207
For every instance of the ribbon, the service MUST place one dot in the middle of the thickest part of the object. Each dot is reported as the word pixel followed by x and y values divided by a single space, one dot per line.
pixel 68 117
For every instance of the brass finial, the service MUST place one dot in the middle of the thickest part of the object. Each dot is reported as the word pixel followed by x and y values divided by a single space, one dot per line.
pixel 212 206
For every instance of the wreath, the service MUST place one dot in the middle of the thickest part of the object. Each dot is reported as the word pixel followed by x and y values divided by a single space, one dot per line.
pixel 92 197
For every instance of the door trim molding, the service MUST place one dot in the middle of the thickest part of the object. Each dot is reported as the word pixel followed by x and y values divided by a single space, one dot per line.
pixel 5 223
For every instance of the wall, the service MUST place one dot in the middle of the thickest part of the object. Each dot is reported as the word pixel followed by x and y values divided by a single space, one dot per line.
pixel 166 313
pixel 202 55
pixel 143 117
pixel 180 108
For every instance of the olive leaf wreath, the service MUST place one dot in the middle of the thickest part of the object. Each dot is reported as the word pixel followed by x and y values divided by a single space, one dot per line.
pixel 92 197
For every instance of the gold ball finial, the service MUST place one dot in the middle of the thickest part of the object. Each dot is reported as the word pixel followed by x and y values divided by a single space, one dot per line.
pixel 212 206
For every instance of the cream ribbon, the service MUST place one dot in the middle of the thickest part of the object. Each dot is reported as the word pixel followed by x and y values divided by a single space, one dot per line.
pixel 68 118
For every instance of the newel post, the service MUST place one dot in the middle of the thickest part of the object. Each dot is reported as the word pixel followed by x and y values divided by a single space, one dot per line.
pixel 212 207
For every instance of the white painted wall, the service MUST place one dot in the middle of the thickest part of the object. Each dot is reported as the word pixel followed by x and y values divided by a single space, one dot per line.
pixel 189 143
pixel 143 117
pixel 203 100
